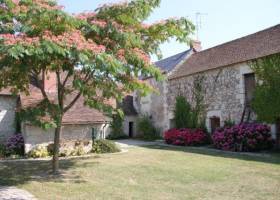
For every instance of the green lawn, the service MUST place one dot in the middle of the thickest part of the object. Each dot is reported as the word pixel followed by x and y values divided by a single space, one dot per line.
pixel 151 173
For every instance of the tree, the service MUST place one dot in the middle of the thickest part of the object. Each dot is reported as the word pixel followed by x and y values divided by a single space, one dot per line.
pixel 182 113
pixel 267 94
pixel 96 56
pixel 116 127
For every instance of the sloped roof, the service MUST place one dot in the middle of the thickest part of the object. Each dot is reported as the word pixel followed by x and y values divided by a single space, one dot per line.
pixel 78 114
pixel 128 107
pixel 257 45
pixel 5 91
pixel 168 64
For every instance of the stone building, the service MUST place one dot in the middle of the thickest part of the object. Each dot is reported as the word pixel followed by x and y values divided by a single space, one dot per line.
pixel 155 105
pixel 80 123
pixel 130 116
pixel 226 77
pixel 228 81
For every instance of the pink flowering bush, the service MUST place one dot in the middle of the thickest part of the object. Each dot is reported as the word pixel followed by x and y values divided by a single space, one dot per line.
pixel 15 145
pixel 185 137
pixel 243 137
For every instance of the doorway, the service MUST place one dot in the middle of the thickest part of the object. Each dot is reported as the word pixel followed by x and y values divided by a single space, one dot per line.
pixel 215 123
pixel 130 127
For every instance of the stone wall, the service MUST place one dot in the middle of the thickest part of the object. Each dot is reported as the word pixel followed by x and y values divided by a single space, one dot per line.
pixel 35 135
pixel 223 90
pixel 7 116
pixel 126 121
pixel 155 105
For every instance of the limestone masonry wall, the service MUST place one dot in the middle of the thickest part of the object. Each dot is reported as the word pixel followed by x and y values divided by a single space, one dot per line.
pixel 224 92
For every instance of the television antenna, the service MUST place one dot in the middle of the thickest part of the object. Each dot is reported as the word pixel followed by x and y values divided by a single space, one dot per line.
pixel 198 19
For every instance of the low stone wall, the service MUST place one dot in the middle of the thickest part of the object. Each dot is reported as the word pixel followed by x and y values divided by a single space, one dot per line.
pixel 35 135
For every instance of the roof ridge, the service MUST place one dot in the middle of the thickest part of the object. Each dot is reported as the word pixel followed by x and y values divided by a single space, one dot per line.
pixel 237 39
pixel 256 45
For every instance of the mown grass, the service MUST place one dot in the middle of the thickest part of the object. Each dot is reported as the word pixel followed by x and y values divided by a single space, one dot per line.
pixel 151 173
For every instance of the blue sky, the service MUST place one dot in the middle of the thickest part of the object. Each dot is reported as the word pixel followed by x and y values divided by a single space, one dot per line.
pixel 225 20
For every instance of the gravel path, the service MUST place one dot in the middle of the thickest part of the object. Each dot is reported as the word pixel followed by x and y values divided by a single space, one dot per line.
pixel 13 193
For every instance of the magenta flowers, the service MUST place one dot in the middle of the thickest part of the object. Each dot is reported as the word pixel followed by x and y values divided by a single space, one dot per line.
pixel 243 137
pixel 185 137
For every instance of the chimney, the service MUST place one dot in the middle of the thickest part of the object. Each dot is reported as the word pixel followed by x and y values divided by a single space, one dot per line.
pixel 196 45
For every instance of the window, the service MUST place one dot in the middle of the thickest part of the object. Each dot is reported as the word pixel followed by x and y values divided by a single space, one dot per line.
pixel 250 85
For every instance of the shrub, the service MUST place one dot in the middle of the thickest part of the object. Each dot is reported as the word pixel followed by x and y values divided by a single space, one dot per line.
pixel 72 148
pixel 15 145
pixel 117 137
pixel 40 151
pixel 243 137
pixel 146 129
pixel 104 146
pixel 185 136
pixel 229 123
pixel 117 128
pixel 182 113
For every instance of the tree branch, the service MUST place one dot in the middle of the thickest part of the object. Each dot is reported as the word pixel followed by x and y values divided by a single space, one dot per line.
pixel 72 102
pixel 87 78
pixel 59 90
pixel 42 87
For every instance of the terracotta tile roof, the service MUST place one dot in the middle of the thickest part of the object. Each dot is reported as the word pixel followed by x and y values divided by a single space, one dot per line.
pixel 257 45
pixel 78 114
pixel 5 91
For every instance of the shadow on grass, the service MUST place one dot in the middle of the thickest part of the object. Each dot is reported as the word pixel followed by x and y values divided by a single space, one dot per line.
pixel 19 172
pixel 271 157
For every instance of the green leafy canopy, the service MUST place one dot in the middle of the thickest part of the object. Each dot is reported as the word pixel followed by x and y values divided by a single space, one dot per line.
pixel 95 55
pixel 266 102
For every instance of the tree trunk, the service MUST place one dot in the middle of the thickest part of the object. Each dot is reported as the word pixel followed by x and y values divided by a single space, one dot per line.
pixel 55 163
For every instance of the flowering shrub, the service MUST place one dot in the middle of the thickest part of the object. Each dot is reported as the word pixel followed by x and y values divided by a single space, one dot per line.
pixel 15 145
pixel 104 146
pixel 185 136
pixel 39 151
pixel 243 137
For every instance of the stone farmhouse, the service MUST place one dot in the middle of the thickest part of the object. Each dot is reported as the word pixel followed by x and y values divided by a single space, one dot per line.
pixel 228 81
pixel 80 123
pixel 228 85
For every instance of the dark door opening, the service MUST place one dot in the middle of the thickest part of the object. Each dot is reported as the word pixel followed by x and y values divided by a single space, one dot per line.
pixel 215 123
pixel 130 132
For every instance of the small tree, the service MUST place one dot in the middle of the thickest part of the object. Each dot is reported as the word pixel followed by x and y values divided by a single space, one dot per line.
pixel 147 129
pixel 96 56
pixel 266 102
pixel 116 127
pixel 198 111
pixel 182 113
